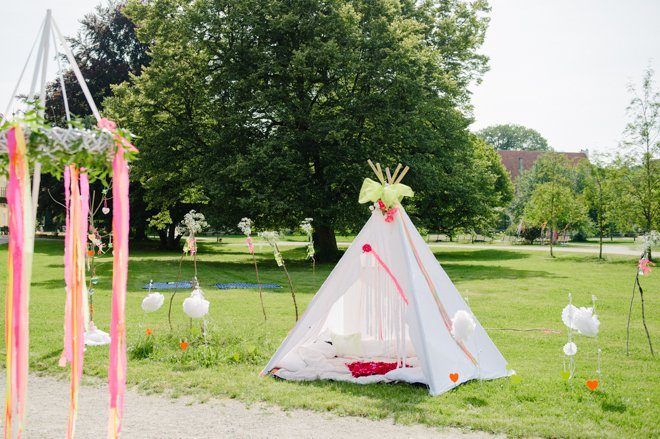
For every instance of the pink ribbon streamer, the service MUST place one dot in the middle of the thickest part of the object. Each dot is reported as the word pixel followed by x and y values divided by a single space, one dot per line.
pixel 250 244
pixel 368 249
pixel 18 286
pixel 77 202
pixel 120 229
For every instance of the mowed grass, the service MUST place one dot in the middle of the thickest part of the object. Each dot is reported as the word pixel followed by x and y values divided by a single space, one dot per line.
pixel 506 289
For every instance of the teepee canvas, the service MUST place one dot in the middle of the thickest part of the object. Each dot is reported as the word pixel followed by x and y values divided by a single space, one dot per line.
pixel 388 302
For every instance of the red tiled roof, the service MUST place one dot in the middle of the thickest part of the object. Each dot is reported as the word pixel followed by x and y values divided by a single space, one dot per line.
pixel 517 161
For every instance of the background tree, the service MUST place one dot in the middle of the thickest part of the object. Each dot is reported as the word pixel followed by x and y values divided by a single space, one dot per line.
pixel 277 105
pixel 640 162
pixel 482 188
pixel 554 206
pixel 601 197
pixel 514 137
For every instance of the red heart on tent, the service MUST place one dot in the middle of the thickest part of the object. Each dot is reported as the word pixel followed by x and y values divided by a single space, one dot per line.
pixel 592 384
pixel 453 377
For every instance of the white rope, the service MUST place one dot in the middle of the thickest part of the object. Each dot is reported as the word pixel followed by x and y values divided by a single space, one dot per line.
pixel 20 78
pixel 77 72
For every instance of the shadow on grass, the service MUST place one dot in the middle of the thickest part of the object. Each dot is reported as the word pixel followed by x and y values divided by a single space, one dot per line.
pixel 481 272
pixel 478 255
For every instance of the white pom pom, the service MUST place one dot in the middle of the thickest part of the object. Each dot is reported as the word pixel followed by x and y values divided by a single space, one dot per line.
pixel 586 322
pixel 152 302
pixel 463 325
pixel 570 349
pixel 196 306
pixel 96 337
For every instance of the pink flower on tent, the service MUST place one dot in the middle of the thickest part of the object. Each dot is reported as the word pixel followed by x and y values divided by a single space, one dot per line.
pixel 389 216
pixel 381 205
pixel 107 124
pixel 645 265
pixel 366 248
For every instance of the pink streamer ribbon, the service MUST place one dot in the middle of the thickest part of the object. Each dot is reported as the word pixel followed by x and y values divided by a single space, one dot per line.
pixel 250 244
pixel 368 249
pixel 18 286
pixel 120 229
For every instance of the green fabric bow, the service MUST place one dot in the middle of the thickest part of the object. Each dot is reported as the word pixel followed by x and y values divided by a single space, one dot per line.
pixel 372 191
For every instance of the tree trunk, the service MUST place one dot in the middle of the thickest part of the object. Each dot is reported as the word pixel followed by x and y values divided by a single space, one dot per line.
pixel 325 244
pixel 168 238
pixel 552 238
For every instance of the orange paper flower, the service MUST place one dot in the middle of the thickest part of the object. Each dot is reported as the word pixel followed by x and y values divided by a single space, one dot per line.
pixel 183 345
pixel 90 253
pixel 149 331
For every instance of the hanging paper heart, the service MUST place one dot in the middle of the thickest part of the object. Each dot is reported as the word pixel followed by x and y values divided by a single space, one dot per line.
pixel 515 379
pixel 592 384
pixel 105 210
pixel 453 377
pixel 565 375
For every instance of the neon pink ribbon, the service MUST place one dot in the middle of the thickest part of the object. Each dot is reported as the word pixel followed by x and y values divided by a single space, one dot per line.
pixel 250 244
pixel 18 286
pixel 120 229
pixel 368 249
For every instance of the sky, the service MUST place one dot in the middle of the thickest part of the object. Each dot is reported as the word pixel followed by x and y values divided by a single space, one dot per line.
pixel 559 66
pixel 562 67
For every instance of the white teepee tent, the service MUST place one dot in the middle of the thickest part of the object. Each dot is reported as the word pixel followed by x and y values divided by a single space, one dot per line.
pixel 389 287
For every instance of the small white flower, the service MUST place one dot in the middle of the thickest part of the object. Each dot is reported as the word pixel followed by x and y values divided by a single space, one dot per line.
pixel 570 349
pixel 152 302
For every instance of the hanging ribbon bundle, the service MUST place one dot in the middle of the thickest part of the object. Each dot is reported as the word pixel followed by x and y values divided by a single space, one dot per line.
pixel 120 229
pixel 76 312
pixel 21 244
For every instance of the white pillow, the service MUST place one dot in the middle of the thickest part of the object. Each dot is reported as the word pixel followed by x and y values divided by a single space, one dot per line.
pixel 292 362
pixel 347 345
pixel 407 374
pixel 327 349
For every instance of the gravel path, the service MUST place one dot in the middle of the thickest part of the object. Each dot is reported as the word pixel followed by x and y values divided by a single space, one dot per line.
pixel 157 416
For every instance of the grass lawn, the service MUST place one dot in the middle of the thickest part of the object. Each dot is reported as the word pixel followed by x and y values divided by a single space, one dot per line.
pixel 506 289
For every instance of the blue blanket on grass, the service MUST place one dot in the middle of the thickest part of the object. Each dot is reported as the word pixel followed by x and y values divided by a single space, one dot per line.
pixel 243 285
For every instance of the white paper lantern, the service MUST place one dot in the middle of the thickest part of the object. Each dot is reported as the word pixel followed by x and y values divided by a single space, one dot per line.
pixel 152 302
pixel 196 306
pixel 463 325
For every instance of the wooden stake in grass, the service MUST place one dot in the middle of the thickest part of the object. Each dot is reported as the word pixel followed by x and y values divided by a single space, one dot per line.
pixel 245 225
pixel 642 268
pixel 271 237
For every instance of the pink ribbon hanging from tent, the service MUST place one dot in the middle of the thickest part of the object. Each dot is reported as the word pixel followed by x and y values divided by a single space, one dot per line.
pixel 18 285
pixel 76 197
pixel 120 228
pixel 443 312
pixel 368 249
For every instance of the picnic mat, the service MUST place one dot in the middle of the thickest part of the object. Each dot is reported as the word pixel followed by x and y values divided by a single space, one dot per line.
pixel 243 285
pixel 168 285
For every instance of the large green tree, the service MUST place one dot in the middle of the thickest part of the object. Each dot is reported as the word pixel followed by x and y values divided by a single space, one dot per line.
pixel 270 108
pixel 514 137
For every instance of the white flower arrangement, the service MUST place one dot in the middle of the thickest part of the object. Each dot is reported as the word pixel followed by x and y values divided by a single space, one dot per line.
pixel 271 237
pixel 245 226
pixel 308 229
pixel 192 224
